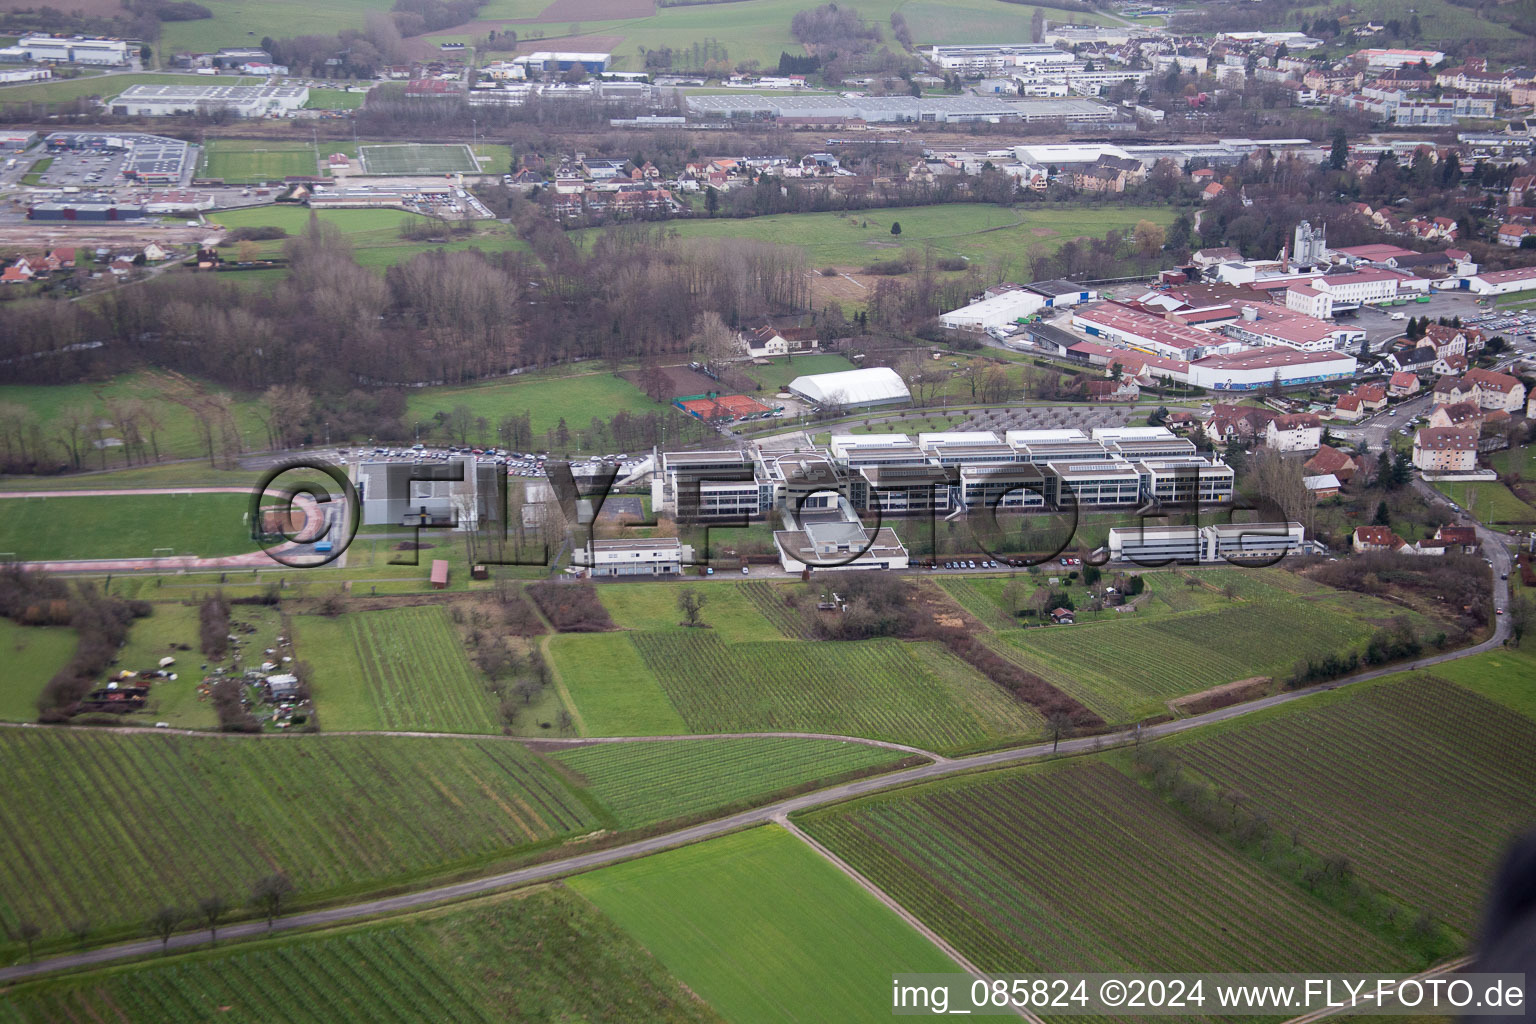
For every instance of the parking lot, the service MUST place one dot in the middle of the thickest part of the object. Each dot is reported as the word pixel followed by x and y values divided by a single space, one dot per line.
pixel 86 169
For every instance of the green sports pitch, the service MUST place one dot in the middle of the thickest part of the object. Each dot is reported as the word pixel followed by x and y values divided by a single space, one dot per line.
pixel 417 158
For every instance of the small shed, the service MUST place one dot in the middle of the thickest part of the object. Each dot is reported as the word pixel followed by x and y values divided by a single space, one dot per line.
pixel 1062 616
pixel 439 574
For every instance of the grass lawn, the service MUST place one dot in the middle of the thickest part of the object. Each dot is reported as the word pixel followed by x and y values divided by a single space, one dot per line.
pixel 611 690
pixel 32 655
pixel 764 929
pixel 784 369
pixel 173 474
pixel 245 161
pixel 548 398
pixel 648 782
pixel 403 668
pixel 49 529
pixel 1489 500
pixel 335 99
pixel 168 394
pixel 539 955
pixel 654 606
pixel 65 89
pixel 992 235
pixel 374 234
pixel 1439 20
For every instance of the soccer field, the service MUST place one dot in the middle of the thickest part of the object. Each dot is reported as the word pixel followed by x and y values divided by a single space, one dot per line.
pixel 416 158
pixel 242 161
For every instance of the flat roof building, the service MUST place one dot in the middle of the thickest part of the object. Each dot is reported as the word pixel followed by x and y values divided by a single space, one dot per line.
pixel 242 100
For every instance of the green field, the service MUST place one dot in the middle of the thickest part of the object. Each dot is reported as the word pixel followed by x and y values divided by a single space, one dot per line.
pixel 987 234
pixel 417 158
pixel 764 929
pixel 335 99
pixel 611 690
pixel 1489 500
pixel 1507 677
pixel 234 20
pixel 145 820
pixel 545 955
pixel 784 369
pixel 374 234
pixel 1079 869
pixel 244 161
pixel 125 526
pixel 654 606
pixel 547 398
pixel 404 668
pixel 169 397
pixel 881 689
pixel 647 782
pixel 1130 667
pixel 32 654
pixel 1421 784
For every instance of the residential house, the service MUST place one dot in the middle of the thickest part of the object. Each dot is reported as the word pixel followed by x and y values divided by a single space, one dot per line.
pixel 1241 423
pixel 1113 391
pixel 1207 258
pixel 1333 462
pixel 1347 407
pixel 1375 538
pixel 1449 390
pixel 1403 384
pixel 1211 191
pixel 1463 538
pixel 1373 397
pixel 1296 432
pixel 1445 449
pixel 1512 235
pixel 1465 415
pixel 62 258
pixel 1494 390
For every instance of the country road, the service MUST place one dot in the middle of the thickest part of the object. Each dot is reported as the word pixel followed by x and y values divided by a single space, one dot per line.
pixel 779 810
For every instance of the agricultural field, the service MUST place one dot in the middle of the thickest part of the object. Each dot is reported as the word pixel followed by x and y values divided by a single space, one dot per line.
pixel 31 654
pixel 418 158
pixel 171 396
pixel 881 689
pixel 1129 668
pixel 547 398
pixel 727 610
pixel 986 234
pixel 401 668
pixel 1421 784
pixel 212 814
pixel 643 783
pixel 1505 676
pixel 235 20
pixel 124 526
pixel 761 927
pixel 1077 868
pixel 609 688
pixel 247 161
pixel 544 954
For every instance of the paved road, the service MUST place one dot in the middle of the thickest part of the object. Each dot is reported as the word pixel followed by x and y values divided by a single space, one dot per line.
pixel 581 862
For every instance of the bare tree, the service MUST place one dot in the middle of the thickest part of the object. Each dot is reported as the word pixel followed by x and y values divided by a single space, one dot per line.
pixel 212 908
pixel 163 924
pixel 29 932
pixel 1060 724
pixel 270 893
pixel 690 602
pixel 80 930
pixel 71 425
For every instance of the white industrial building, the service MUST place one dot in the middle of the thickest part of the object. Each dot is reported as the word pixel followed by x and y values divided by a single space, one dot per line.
pixel 242 100
pixel 1156 545
pixel 651 556
pixel 1502 282
pixel 73 50
pixel 1009 303
pixel 875 385
pixel 984 57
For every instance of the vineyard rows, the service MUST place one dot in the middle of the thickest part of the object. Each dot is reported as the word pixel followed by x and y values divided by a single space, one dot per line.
pixel 766 599
pixel 109 827
pixel 1421 784
pixel 413 673
pixel 646 782
pixel 1080 869
pixel 547 955
pixel 873 688
pixel 1127 669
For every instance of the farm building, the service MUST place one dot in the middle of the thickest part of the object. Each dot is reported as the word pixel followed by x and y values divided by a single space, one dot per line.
pixel 875 385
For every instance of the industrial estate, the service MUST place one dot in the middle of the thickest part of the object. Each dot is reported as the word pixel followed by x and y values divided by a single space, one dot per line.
pixel 625 511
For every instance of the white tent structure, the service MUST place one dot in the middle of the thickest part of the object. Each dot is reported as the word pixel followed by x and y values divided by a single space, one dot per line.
pixel 874 385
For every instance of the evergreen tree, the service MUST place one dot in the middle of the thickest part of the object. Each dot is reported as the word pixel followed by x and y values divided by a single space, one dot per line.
pixel 1339 156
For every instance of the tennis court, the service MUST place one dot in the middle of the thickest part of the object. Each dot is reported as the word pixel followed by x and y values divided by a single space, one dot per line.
pixel 418 158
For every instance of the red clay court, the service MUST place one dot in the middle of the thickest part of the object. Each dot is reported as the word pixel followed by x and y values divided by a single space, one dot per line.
pixel 723 407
